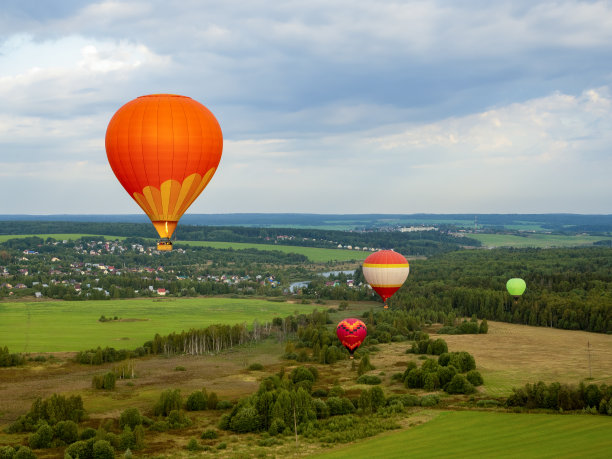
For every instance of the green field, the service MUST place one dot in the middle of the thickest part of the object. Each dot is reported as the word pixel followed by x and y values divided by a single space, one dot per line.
pixel 53 326
pixel 536 240
pixel 314 254
pixel 487 434
pixel 59 237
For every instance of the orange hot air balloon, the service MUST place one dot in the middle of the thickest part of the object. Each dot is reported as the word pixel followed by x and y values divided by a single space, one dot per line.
pixel 385 271
pixel 164 149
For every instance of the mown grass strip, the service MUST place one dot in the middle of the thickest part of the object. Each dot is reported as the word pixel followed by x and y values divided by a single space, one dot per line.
pixel 487 434
pixel 536 240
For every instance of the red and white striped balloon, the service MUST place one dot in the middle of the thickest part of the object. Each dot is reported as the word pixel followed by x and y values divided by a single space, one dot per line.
pixel 386 272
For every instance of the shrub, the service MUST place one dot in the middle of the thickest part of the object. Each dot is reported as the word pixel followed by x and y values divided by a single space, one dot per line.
pixel 277 426
pixel 459 385
pixel 66 431
pixel 487 403
pixel 213 400
pixel 126 439
pixel 302 374
pixel 24 453
pixel 336 391
pixel 130 417
pixel 193 445
pixel 439 346
pixel 474 377
pixel 160 426
pixel 256 367
pixel 368 379
pixel 42 438
pixel 222 445
pixel 430 366
pixel 592 395
pixel 339 405
pixel 106 381
pixel 81 449
pixel 462 361
pixel 177 419
pixel 429 400
pixel 87 433
pixel 103 450
pixel 445 375
pixel 365 365
pixel 415 379
pixel 180 368
pixel 247 419
pixel 484 327
pixel 139 434
pixel 209 434
pixel 224 405
pixel 197 401
pixel 468 328
pixel 169 400
pixel 444 359
pixel 320 392
pixel 409 400
pixel 7 452
pixel 431 382
pixel 410 366
pixel 321 408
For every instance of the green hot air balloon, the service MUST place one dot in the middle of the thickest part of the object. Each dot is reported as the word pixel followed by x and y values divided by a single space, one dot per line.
pixel 516 287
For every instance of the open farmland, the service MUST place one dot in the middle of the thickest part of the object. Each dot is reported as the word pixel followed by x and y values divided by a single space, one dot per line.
pixel 486 434
pixel 511 355
pixel 53 326
pixel 314 254
pixel 516 352
pixel 539 240
pixel 58 237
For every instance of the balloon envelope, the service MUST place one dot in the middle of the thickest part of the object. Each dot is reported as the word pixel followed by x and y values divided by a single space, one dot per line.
pixel 516 286
pixel 164 149
pixel 351 333
pixel 385 271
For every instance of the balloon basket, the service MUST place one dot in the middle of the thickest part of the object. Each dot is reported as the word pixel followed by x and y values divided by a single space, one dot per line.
pixel 386 306
pixel 164 246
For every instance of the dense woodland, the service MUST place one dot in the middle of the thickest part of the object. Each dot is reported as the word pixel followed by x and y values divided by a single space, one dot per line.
pixel 420 243
pixel 566 288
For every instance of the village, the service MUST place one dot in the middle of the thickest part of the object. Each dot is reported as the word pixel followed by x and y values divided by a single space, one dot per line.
pixel 90 269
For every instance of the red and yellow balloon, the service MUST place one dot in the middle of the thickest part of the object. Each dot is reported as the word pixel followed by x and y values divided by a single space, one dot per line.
pixel 164 150
pixel 351 333
pixel 385 271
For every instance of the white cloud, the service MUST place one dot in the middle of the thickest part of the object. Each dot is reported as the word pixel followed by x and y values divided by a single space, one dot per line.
pixel 443 106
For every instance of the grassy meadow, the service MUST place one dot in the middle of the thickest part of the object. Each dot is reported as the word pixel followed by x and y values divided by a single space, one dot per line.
pixel 55 326
pixel 509 355
pixel 491 434
pixel 314 254
pixel 539 240
pixel 58 237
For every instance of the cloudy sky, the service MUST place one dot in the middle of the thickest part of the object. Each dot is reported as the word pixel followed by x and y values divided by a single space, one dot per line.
pixel 327 106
